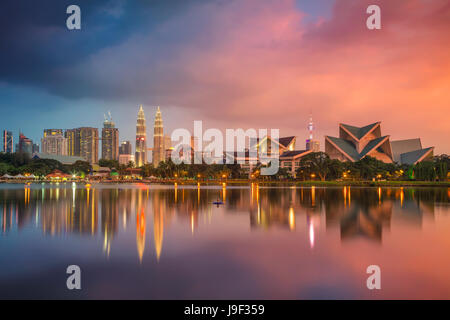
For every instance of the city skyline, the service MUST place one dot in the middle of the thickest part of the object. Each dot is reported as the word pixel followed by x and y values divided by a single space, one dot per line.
pixel 288 58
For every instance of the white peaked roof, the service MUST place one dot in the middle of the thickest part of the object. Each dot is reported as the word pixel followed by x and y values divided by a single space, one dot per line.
pixel 7 176
pixel 19 176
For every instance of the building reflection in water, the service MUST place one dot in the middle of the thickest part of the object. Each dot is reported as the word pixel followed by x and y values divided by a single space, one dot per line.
pixel 355 212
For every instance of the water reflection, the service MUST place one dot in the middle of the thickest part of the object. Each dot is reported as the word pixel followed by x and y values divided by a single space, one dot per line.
pixel 98 211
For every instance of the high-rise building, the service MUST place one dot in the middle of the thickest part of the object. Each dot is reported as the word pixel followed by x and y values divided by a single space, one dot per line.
pixel 158 139
pixel 311 144
pixel 73 142
pixel 53 132
pixel 89 144
pixel 25 144
pixel 141 139
pixel 125 148
pixel 35 148
pixel 83 142
pixel 54 142
pixel 110 140
pixel 8 141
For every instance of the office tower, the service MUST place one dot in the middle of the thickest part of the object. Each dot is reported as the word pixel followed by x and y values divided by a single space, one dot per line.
pixel 54 142
pixel 158 139
pixel 125 148
pixel 25 144
pixel 110 140
pixel 53 132
pixel 8 141
pixel 35 148
pixel 312 144
pixel 89 144
pixel 83 142
pixel 141 139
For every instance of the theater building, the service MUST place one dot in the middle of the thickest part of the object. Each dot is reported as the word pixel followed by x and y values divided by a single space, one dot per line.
pixel 356 143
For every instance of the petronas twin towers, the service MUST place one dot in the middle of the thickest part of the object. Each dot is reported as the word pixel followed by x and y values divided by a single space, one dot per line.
pixel 141 139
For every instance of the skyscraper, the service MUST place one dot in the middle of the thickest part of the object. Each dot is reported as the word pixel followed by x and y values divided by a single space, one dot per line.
pixel 35 148
pixel 110 140
pixel 25 144
pixel 158 139
pixel 8 141
pixel 52 132
pixel 125 148
pixel 141 139
pixel 73 142
pixel 83 142
pixel 89 144
pixel 54 142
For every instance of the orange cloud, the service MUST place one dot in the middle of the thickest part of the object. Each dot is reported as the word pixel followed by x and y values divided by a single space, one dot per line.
pixel 264 67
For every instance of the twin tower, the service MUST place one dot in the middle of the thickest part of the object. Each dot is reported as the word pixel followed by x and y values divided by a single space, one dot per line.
pixel 141 139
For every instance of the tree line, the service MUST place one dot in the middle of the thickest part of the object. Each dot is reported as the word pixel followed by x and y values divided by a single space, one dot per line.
pixel 21 163
pixel 314 166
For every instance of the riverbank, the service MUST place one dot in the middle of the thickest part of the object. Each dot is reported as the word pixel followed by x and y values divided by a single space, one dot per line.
pixel 240 182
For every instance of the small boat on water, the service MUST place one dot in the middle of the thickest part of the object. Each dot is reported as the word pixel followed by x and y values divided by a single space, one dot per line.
pixel 218 202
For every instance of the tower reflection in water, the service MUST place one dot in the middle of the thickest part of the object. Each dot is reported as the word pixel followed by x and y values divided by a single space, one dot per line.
pixel 69 209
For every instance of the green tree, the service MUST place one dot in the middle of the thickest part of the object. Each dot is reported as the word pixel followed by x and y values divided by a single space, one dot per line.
pixel 315 163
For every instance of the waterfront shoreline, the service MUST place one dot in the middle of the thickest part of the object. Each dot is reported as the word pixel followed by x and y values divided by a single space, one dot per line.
pixel 247 181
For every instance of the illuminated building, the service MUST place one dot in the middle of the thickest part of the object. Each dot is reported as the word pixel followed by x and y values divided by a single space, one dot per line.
pixel 83 142
pixel 110 140
pixel 141 139
pixel 25 145
pixel 355 143
pixel 89 144
pixel 53 132
pixel 158 139
pixel 8 141
pixel 73 142
pixel 54 142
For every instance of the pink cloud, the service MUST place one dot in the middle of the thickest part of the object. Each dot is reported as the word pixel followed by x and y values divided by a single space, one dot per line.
pixel 258 63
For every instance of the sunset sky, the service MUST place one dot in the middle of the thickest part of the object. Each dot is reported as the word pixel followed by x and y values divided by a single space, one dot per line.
pixel 231 63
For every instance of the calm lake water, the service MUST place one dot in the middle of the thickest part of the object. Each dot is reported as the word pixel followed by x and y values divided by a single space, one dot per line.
pixel 162 242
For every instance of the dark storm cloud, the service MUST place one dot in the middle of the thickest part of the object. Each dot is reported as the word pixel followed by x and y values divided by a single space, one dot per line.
pixel 35 44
